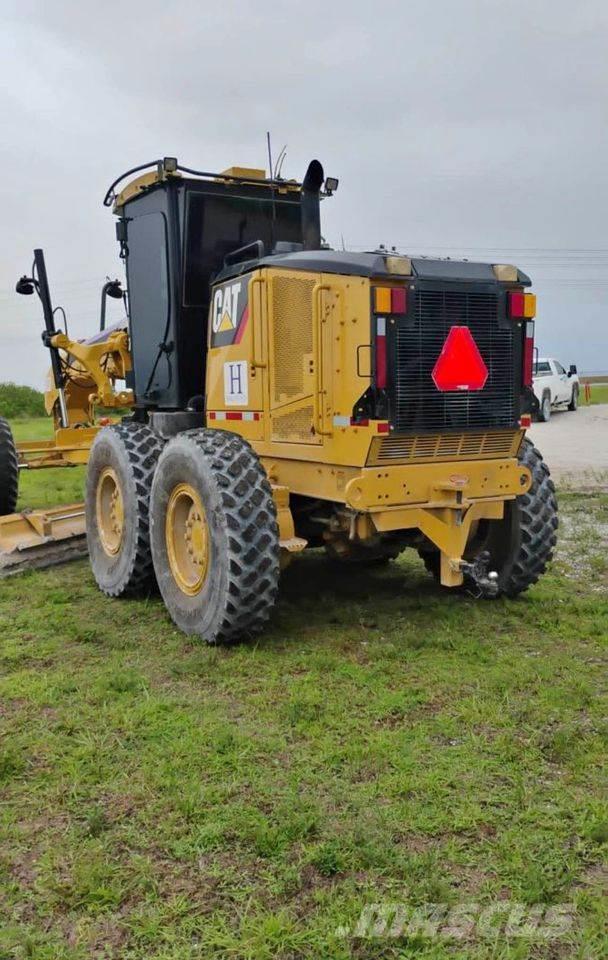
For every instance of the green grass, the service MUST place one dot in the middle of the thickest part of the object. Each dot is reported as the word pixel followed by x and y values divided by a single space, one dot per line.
pixel 45 488
pixel 383 741
pixel 599 393
pixel 34 428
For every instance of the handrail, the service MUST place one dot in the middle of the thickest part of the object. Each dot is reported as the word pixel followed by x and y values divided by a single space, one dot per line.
pixel 261 364
pixel 317 332
pixel 163 170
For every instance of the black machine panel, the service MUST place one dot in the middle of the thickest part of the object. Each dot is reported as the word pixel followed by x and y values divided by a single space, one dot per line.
pixel 178 234
pixel 218 225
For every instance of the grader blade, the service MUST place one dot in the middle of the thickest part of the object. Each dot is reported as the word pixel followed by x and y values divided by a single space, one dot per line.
pixel 41 538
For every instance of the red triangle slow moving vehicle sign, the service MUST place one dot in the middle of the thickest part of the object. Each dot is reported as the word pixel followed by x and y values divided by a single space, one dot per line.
pixel 460 365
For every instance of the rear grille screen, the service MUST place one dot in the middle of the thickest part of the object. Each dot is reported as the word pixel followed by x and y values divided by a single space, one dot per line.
pixel 444 446
pixel 418 404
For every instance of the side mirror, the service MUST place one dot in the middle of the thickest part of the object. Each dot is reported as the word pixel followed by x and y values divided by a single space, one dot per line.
pixel 24 286
pixel 572 370
pixel 114 289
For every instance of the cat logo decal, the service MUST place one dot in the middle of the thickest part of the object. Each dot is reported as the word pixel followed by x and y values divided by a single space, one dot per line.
pixel 229 313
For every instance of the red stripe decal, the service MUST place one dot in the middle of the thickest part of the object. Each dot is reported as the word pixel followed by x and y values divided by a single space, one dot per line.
pixel 242 325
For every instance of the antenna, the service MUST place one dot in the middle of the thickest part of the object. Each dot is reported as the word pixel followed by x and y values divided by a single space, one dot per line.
pixel 274 206
pixel 279 163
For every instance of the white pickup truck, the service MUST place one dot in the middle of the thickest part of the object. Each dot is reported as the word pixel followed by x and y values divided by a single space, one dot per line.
pixel 553 387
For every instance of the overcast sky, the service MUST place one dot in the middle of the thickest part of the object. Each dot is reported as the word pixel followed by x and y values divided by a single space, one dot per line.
pixel 471 128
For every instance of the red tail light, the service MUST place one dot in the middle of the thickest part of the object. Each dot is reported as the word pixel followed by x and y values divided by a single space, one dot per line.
pixel 398 300
pixel 381 353
pixel 516 304
pixel 528 366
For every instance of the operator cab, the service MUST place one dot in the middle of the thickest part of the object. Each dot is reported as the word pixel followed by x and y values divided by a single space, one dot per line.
pixel 177 229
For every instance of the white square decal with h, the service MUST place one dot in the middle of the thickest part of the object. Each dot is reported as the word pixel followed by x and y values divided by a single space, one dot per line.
pixel 236 383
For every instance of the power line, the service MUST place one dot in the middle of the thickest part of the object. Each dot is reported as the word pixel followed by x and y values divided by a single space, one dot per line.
pixel 464 246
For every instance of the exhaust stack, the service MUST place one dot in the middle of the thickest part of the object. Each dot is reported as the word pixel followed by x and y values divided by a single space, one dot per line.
pixel 311 215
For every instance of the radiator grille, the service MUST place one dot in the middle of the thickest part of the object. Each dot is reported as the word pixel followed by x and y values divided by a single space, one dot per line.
pixel 419 405
pixel 448 446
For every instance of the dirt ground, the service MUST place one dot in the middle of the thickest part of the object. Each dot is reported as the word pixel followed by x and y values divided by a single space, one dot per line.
pixel 575 445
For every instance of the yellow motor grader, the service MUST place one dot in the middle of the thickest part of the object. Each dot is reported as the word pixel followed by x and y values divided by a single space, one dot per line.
pixel 284 395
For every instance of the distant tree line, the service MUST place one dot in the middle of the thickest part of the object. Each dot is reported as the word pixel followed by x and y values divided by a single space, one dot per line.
pixel 18 401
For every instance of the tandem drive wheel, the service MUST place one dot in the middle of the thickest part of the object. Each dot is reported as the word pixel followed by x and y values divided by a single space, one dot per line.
pixel 119 478
pixel 9 470
pixel 214 536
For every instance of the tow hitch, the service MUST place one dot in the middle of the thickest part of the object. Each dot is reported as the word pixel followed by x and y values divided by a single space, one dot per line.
pixel 482 582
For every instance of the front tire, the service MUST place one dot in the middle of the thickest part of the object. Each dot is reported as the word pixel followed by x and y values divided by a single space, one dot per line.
pixel 573 405
pixel 214 536
pixel 9 470
pixel 119 478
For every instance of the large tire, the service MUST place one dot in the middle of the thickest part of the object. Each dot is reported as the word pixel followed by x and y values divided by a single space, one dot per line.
pixel 573 405
pixel 9 470
pixel 544 410
pixel 521 544
pixel 214 536
pixel 119 479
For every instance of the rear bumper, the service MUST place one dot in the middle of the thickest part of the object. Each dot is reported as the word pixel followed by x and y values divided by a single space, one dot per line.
pixel 443 501
pixel 453 485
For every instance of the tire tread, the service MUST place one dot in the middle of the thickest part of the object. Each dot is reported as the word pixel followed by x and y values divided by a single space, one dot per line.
pixel 143 448
pixel 249 513
pixel 538 512
pixel 9 470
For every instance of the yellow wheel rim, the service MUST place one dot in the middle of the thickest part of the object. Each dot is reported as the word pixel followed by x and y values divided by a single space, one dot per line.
pixel 187 537
pixel 110 512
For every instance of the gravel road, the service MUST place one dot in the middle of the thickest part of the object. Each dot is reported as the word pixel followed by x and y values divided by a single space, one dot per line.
pixel 575 444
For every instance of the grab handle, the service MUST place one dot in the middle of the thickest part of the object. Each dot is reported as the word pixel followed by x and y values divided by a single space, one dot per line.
pixel 317 327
